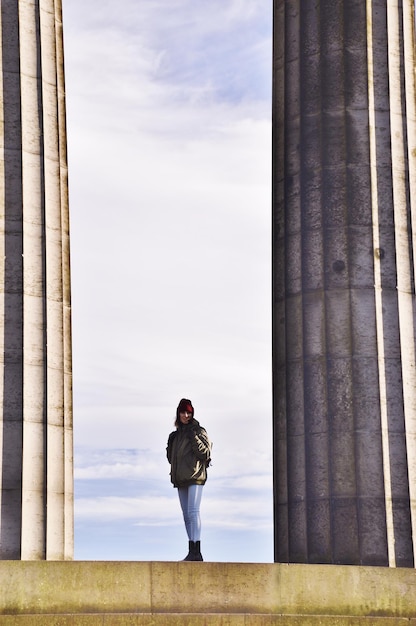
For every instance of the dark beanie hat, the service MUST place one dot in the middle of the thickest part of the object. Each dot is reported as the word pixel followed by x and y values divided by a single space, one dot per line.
pixel 185 405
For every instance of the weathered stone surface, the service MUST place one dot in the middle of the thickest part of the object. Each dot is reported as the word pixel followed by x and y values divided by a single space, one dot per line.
pixel 219 593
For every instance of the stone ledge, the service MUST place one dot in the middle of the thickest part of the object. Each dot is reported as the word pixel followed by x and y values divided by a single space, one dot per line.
pixel 242 593
pixel 187 619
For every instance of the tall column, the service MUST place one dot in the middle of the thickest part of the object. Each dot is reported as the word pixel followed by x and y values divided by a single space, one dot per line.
pixel 36 496
pixel 344 228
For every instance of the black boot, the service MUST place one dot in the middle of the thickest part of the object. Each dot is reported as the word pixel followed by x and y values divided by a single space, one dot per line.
pixel 189 556
pixel 194 553
pixel 197 553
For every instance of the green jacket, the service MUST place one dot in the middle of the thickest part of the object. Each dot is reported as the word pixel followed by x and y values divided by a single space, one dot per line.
pixel 189 454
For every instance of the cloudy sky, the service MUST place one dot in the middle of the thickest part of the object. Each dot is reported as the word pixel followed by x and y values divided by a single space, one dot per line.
pixel 169 139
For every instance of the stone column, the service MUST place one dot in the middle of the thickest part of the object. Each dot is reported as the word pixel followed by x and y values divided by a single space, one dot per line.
pixel 344 227
pixel 36 497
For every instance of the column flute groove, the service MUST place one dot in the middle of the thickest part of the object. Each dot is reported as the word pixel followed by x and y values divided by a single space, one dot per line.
pixel 378 292
pixel 400 127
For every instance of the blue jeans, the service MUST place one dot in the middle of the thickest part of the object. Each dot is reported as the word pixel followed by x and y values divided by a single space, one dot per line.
pixel 190 499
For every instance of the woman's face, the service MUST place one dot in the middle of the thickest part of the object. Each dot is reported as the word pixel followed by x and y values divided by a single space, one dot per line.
pixel 185 417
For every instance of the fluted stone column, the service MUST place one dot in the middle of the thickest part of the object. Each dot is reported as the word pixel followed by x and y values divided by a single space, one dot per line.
pixel 344 227
pixel 36 496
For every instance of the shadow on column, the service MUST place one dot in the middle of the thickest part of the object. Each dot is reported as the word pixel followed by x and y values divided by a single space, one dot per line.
pixel 12 417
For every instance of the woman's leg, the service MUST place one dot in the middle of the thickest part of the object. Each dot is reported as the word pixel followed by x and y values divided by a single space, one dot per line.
pixel 183 499
pixel 194 503
pixel 190 499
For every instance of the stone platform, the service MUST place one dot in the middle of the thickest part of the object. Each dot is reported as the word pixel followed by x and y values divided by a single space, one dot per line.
pixel 89 593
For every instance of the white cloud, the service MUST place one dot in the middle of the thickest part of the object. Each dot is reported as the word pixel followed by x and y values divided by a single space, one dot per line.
pixel 226 513
pixel 153 510
pixel 229 512
pixel 165 512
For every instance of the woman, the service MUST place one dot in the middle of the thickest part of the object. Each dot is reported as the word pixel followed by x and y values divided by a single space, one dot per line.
pixel 189 454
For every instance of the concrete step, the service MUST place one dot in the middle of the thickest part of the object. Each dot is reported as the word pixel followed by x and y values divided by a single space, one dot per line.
pixel 51 593
pixel 179 619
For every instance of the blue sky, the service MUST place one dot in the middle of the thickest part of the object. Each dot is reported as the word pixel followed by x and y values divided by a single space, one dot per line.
pixel 169 143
